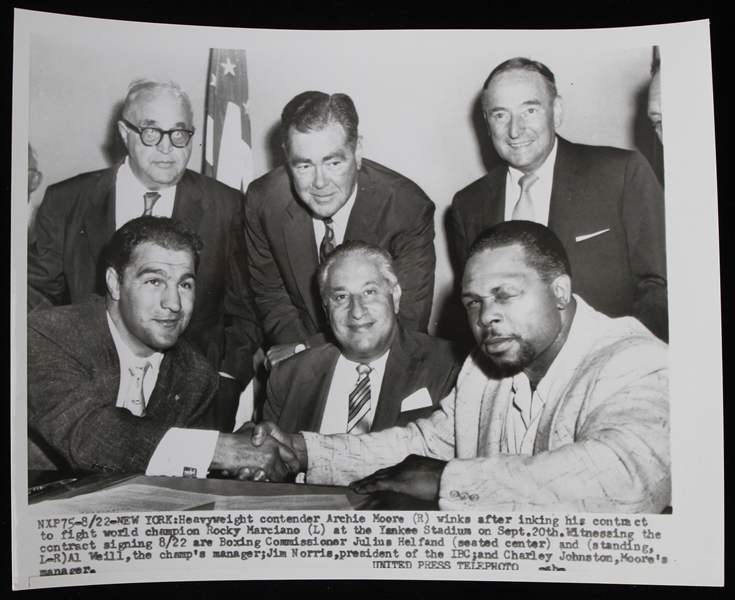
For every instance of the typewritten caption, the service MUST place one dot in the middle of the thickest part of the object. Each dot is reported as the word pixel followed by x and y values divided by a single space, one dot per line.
pixel 87 544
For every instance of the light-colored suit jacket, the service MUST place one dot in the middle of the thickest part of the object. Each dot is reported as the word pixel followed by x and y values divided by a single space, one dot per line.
pixel 602 443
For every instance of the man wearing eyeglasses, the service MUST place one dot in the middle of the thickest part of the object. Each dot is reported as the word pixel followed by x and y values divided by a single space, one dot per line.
pixel 78 217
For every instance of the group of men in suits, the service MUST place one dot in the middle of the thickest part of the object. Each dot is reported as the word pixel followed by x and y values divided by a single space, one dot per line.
pixel 330 258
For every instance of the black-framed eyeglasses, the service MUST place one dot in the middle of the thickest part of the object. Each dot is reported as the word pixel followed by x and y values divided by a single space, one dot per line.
pixel 152 136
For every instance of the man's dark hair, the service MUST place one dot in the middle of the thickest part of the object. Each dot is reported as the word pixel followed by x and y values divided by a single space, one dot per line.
pixel 161 231
pixel 315 111
pixel 543 251
pixel 525 64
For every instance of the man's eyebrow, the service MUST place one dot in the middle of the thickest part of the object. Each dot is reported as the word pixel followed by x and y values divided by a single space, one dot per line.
pixel 153 271
pixel 187 276
pixel 154 123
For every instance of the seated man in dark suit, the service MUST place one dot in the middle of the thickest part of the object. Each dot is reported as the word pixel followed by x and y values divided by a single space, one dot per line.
pixel 379 374
pixel 325 195
pixel 112 385
pixel 605 204
pixel 78 217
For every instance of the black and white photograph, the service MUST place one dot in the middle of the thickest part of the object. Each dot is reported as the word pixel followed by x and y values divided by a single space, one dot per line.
pixel 415 309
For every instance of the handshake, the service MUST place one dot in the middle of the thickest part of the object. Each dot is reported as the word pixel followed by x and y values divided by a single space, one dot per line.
pixel 261 452
pixel 265 452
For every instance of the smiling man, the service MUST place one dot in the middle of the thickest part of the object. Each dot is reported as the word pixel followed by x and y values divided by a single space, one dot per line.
pixel 78 217
pixel 559 408
pixel 325 195
pixel 378 373
pixel 605 204
pixel 112 386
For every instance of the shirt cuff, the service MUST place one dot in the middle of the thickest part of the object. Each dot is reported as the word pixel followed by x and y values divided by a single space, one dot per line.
pixel 183 453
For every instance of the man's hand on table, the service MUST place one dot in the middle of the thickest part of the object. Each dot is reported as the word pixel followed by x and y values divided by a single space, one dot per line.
pixel 416 476
pixel 268 460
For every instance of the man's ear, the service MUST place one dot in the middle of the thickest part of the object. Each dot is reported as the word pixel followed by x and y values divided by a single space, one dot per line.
pixel 562 289
pixel 113 283
pixel 396 297
pixel 124 132
pixel 358 152
pixel 558 112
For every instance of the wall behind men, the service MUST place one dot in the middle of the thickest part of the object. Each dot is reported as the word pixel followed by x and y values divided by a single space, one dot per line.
pixel 417 94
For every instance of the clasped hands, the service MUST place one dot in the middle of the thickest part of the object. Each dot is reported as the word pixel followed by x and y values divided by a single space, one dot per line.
pixel 273 454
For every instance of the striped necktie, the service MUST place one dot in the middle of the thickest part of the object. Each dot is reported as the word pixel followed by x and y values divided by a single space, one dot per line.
pixel 359 417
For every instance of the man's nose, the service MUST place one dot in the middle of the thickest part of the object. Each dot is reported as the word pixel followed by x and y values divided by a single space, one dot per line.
pixel 171 299
pixel 357 308
pixel 320 180
pixel 165 146
pixel 489 315
pixel 515 128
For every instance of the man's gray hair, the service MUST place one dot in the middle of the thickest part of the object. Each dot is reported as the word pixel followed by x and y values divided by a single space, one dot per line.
pixel 356 249
pixel 151 87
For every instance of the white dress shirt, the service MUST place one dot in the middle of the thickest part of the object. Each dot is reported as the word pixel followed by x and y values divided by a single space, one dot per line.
pixel 339 225
pixel 129 197
pixel 524 415
pixel 181 452
pixel 344 379
pixel 540 191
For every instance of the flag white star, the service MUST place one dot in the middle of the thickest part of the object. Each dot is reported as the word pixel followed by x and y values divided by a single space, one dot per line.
pixel 213 81
pixel 228 67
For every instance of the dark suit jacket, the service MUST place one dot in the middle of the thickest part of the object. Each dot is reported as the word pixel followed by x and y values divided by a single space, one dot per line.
pixel 619 272
pixel 76 221
pixel 73 381
pixel 389 211
pixel 298 386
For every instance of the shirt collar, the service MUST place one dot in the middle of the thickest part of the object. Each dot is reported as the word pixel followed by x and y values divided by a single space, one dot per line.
pixel 341 217
pixel 378 365
pixel 126 355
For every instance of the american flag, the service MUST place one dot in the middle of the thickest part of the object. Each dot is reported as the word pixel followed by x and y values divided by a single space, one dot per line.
pixel 228 156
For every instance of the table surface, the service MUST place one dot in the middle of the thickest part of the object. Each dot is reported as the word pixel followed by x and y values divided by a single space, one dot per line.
pixel 223 487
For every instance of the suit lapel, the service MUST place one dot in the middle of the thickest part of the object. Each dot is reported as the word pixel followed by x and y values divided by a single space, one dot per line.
pixel 364 212
pixel 493 210
pixel 314 391
pixel 300 242
pixel 188 204
pixel 99 218
pixel 567 209
pixel 401 369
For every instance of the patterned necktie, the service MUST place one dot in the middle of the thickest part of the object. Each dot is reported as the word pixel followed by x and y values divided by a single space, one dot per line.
pixel 150 199
pixel 327 245
pixel 523 210
pixel 135 401
pixel 359 418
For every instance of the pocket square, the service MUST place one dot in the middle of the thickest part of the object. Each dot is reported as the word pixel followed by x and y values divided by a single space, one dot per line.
pixel 419 399
pixel 582 238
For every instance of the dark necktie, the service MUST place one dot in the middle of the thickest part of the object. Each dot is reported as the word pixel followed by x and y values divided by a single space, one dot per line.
pixel 523 210
pixel 358 420
pixel 327 245
pixel 150 199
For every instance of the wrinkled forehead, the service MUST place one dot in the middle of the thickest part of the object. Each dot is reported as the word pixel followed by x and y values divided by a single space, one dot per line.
pixel 150 252
pixel 492 264
pixel 355 272
pixel 162 107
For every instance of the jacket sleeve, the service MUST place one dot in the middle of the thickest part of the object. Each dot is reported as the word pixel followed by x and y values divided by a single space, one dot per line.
pixel 69 406
pixel 342 459
pixel 616 460
pixel 280 317
pixel 243 334
pixel 414 261
pixel 644 222
pixel 46 282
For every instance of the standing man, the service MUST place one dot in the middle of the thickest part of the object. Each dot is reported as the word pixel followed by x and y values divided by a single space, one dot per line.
pixel 78 217
pixel 326 194
pixel 112 387
pixel 605 204
pixel 378 373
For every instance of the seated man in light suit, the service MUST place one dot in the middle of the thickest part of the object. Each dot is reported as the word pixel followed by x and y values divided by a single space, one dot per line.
pixel 560 408
pixel 325 195
pixel 379 374
pixel 112 385
pixel 603 203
